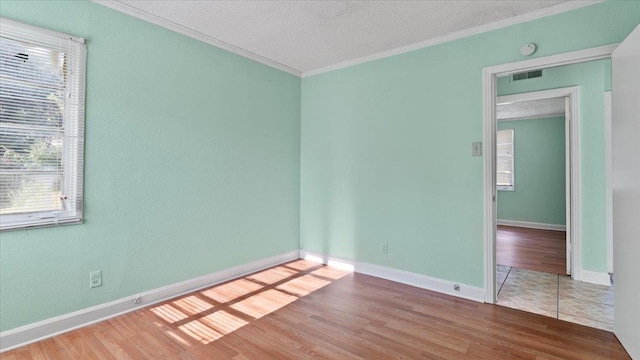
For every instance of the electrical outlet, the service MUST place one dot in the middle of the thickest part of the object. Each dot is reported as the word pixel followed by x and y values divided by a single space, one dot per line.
pixel 385 248
pixel 95 279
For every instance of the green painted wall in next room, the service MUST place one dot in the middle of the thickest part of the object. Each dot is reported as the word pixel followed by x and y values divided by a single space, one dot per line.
pixel 539 167
pixel 590 77
pixel 192 165
pixel 386 148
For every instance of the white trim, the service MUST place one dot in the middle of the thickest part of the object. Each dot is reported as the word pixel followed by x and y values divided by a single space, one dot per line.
pixel 168 24
pixel 553 10
pixel 400 276
pixel 40 330
pixel 608 168
pixel 597 278
pixel 154 19
pixel 573 57
pixel 572 176
pixel 72 127
pixel 568 169
pixel 532 225
pixel 489 92
pixel 572 173
pixel 536 95
pixel 532 117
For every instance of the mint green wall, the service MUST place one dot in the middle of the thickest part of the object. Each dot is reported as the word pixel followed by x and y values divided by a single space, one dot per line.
pixel 192 166
pixel 591 78
pixel 539 192
pixel 386 147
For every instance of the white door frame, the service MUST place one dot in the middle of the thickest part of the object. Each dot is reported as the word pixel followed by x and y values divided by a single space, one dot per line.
pixel 490 75
pixel 572 163
pixel 608 169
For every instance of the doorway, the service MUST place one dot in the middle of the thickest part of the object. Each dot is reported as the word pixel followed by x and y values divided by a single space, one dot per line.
pixel 490 76
pixel 499 281
pixel 534 217
pixel 533 180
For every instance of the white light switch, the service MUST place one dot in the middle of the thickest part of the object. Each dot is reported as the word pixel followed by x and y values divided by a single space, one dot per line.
pixel 476 149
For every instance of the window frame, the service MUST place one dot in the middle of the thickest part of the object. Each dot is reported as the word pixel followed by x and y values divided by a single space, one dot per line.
pixel 512 186
pixel 74 115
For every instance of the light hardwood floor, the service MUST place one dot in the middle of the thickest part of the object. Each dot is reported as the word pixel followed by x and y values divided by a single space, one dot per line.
pixel 302 310
pixel 532 249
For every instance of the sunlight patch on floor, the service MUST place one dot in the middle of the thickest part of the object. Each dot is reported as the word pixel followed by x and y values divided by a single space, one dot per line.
pixel 169 314
pixel 264 303
pixel 200 332
pixel 231 290
pixel 331 272
pixel 192 305
pixel 301 265
pixel 303 285
pixel 223 322
pixel 210 314
pixel 273 275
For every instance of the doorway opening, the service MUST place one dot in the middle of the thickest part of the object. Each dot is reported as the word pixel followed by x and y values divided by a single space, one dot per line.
pixel 533 162
pixel 500 274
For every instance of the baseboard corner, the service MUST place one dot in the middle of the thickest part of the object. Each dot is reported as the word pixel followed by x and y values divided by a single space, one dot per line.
pixel 594 277
pixel 401 276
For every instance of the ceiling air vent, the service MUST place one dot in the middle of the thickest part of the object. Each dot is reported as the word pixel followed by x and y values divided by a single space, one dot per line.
pixel 527 75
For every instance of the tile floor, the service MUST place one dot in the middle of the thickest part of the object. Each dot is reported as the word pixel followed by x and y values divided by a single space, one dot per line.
pixel 556 296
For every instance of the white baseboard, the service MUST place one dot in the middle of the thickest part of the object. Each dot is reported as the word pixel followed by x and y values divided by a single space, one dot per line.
pixel 401 276
pixel 595 277
pixel 40 330
pixel 532 225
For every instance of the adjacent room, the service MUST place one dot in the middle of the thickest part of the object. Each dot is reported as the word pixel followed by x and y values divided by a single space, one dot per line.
pixel 536 270
pixel 326 179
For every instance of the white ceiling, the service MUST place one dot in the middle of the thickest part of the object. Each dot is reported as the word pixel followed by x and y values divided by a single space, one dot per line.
pixel 305 36
pixel 531 109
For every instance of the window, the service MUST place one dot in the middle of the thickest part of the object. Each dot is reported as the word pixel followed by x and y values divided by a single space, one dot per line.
pixel 504 157
pixel 42 77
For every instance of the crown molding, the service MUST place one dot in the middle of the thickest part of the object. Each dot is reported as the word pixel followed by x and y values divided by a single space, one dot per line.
pixel 148 17
pixel 553 10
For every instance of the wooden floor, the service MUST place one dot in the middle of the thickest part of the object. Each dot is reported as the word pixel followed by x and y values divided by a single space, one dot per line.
pixel 532 249
pixel 303 310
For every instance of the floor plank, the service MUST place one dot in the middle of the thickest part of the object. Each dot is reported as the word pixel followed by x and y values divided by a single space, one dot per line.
pixel 532 249
pixel 333 315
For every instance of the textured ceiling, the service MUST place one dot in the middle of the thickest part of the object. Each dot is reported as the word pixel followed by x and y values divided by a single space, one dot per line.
pixel 531 109
pixel 311 35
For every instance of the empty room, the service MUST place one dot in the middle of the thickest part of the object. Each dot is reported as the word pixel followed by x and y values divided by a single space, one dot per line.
pixel 319 179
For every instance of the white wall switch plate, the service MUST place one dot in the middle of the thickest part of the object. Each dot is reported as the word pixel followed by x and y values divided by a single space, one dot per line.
pixel 476 149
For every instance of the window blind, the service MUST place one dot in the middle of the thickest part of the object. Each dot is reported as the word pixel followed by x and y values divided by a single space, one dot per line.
pixel 505 160
pixel 42 75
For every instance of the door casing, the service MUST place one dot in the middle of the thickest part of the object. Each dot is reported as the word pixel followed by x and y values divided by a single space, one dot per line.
pixel 490 75
pixel 572 162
